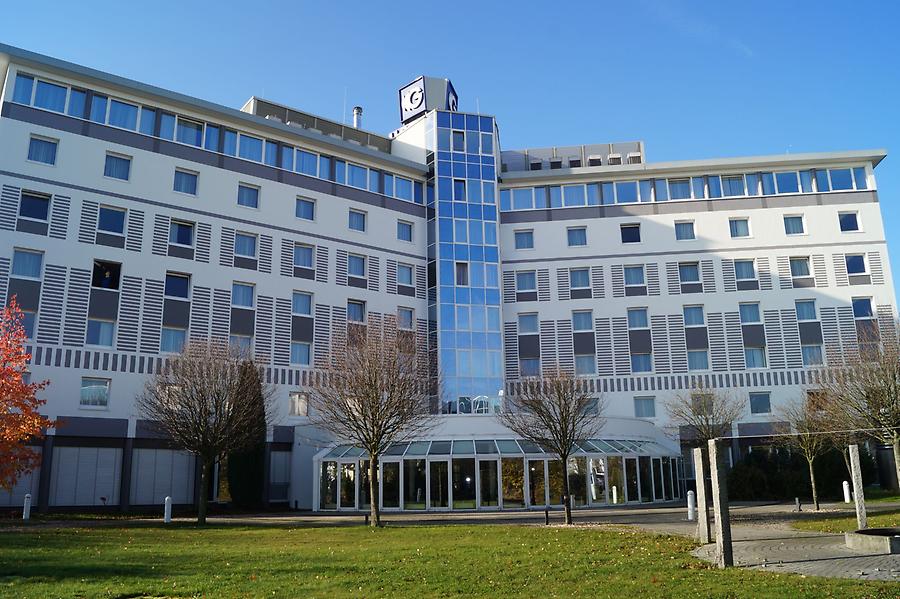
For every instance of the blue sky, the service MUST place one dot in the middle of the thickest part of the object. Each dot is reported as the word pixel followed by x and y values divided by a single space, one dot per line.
pixel 691 79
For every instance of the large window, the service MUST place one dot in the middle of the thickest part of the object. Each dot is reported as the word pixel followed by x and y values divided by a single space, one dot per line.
pixel 41 149
pixel 50 96
pixel 27 264
pixel 94 392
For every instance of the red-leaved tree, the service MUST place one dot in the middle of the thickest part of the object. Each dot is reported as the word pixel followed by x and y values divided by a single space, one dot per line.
pixel 20 420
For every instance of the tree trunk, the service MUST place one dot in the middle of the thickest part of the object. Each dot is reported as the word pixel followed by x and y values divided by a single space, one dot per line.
pixel 812 482
pixel 896 448
pixel 205 471
pixel 567 504
pixel 374 500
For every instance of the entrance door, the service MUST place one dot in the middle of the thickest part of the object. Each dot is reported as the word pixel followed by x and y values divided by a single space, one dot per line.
pixel 348 487
pixel 439 473
pixel 488 484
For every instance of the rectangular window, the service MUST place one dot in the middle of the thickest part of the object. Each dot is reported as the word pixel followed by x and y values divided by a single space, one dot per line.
pixel 242 343
pixel 356 311
pixel 185 182
pixel 405 275
pixel 148 122
pixel 787 182
pixel 576 236
pixel 34 207
pixel 357 176
pixel 123 115
pixel 404 230
pixel 23 89
pixel 528 324
pixel 793 225
pixel 862 308
pixel 177 285
pixel 117 167
pixel 859 176
pixel 800 267
pixel 181 233
pixel 841 179
pixel 462 273
pixel 242 295
pixel 356 265
pixel 585 364
pixel 300 353
pixel 94 392
pixel 172 340
pixel 812 355
pixel 645 407
pixel 100 333
pixel 403 189
pixel 405 319
pixel 579 278
pixel 680 189
pixel 98 109
pixel 630 233
pixel 248 196
pixel 526 281
pixel 42 150
pixel 755 357
pixel 760 403
pixel 305 209
pixel 27 264
pixel 307 163
pixel 529 367
pixel 582 321
pixel 637 319
pixel 856 264
pixel 749 313
pixel 303 255
pixel 301 304
pixel 739 227
pixel 626 192
pixel 849 221
pixel 744 270
pixel 634 275
pixel 806 310
pixel 106 275
pixel 357 220
pixel 524 240
pixel 299 403
pixel 459 141
pixel 50 96
pixel 641 363
pixel 698 186
pixel 698 359
pixel 28 322
pixel 245 245
pixel 250 148
pixel 689 272
pixel 684 231
pixel 693 316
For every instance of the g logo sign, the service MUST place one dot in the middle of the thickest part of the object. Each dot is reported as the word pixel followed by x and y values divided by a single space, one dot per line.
pixel 413 98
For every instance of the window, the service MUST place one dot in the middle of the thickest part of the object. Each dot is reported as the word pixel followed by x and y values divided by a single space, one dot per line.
pixel 459 190
pixel 181 233
pixel 645 407
pixel 98 110
pixel 27 264
pixel 579 278
pixel 806 310
pixel 125 116
pixel 106 274
pixel 34 206
pixel 641 362
pixel 177 285
pixel 760 403
pixel 94 392
pixel 529 367
pixel 250 147
pixel 404 230
pixel 528 324
pixel 526 281
pixel 405 319
pixel 42 150
pixel 576 236
pixel 459 141
pixel 405 275
pixel 242 295
pixel 800 267
pixel 301 304
pixel 299 403
pixel 693 316
pixel 186 132
pixel 689 272
pixel 740 227
pixel 680 189
pixel 248 196
pixel 856 264
pixel 185 182
pixel 524 240
pixel 585 364
pixel 356 311
pixel 100 332
pixel 755 357
pixel 793 225
pixel 357 220
pixel 634 276
pixel 787 182
pixel 300 353
pixel 117 167
pixel 637 319
pixel 630 233
pixel 862 307
pixel 172 340
pixel 243 343
pixel 812 355
pixel 303 255
pixel 744 270
pixel 462 273
pixel 357 176
pixel 28 322
pixel 684 231
pixel 111 220
pixel 733 185
pixel 749 313
pixel 841 179
pixel 305 209
pixel 356 265
pixel 849 221
pixel 50 96
pixel 245 245
pixel 698 359
pixel 582 321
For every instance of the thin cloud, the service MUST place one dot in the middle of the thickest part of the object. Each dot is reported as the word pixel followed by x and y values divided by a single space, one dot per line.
pixel 691 26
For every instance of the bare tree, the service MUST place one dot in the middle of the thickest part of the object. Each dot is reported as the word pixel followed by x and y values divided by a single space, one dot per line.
pixel 807 420
pixel 865 389
pixel 208 402
pixel 706 413
pixel 375 392
pixel 556 412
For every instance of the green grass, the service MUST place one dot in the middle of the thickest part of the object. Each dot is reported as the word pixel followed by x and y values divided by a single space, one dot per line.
pixel 837 523
pixel 425 561
pixel 881 496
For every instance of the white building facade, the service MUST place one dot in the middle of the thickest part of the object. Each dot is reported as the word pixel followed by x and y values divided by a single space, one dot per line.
pixel 133 219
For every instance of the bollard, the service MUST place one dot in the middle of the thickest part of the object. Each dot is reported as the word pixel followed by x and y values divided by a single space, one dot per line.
pixel 615 494
pixel 797 507
pixel 692 506
pixel 26 509
pixel 167 512
pixel 547 516
pixel 847 498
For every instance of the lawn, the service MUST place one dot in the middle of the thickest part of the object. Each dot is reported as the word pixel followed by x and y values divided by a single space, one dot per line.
pixel 426 561
pixel 842 522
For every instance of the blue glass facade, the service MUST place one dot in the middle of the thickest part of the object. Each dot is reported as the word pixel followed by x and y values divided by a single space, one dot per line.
pixel 464 264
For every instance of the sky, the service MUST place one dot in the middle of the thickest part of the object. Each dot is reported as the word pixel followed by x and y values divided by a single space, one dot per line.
pixel 691 79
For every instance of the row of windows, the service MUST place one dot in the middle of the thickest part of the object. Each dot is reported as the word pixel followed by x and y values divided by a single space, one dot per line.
pixel 100 108
pixel 760 402
pixel 685 188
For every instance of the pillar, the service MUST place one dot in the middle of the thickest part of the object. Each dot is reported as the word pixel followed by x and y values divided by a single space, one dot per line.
pixel 700 467
pixel 859 497
pixel 719 474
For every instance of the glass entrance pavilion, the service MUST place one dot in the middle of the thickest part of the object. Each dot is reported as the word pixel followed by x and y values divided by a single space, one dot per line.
pixel 498 474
